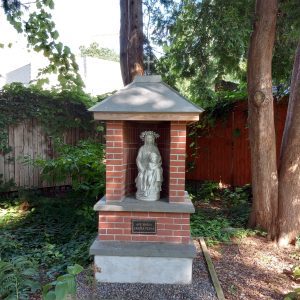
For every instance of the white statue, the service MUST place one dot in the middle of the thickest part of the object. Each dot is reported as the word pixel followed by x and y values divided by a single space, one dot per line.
pixel 149 179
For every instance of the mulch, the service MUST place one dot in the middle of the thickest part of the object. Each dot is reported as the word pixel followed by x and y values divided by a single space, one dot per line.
pixel 253 268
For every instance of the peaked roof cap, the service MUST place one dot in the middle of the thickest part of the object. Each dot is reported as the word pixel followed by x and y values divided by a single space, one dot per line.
pixel 146 94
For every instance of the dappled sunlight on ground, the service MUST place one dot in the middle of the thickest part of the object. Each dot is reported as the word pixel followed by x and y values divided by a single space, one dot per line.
pixel 253 268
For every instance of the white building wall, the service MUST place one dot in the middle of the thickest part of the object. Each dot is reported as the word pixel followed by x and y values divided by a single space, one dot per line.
pixel 100 76
pixel 22 75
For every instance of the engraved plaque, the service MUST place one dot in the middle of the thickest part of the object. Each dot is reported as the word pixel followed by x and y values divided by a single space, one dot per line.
pixel 143 226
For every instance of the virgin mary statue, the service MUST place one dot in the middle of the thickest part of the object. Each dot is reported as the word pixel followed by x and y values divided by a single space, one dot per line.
pixel 149 179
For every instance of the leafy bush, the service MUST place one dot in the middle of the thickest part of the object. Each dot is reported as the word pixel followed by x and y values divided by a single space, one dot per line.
pixel 228 219
pixel 238 203
pixel 82 163
pixel 18 278
pixel 56 111
pixel 216 227
pixel 6 186
pixel 64 286
pixel 55 232
pixel 295 295
pixel 210 226
pixel 206 192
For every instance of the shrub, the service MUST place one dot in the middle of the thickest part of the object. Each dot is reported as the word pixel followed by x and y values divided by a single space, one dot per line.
pixel 205 192
pixel 82 163
pixel 238 203
pixel 64 286
pixel 210 226
pixel 6 186
pixel 55 232
pixel 18 278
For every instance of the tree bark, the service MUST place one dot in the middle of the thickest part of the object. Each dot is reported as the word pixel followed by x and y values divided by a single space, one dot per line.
pixel 261 119
pixel 124 40
pixel 131 39
pixel 289 172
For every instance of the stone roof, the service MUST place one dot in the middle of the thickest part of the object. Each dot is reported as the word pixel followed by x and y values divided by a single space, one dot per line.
pixel 146 94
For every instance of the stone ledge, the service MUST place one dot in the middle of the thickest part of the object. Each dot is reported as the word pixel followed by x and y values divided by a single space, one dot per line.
pixel 132 204
pixel 140 249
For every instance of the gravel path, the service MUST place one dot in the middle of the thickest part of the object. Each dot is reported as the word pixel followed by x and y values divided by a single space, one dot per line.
pixel 201 288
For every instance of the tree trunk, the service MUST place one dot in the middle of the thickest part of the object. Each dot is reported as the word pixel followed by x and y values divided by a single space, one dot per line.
pixel 124 40
pixel 289 172
pixel 131 39
pixel 261 119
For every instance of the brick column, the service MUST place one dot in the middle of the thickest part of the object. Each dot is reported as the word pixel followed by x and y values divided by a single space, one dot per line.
pixel 177 161
pixel 115 168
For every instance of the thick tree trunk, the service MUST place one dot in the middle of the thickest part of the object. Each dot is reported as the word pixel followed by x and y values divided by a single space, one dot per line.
pixel 261 119
pixel 131 39
pixel 124 40
pixel 289 172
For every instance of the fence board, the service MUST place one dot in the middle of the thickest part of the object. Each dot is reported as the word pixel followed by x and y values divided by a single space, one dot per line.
pixel 223 153
pixel 28 139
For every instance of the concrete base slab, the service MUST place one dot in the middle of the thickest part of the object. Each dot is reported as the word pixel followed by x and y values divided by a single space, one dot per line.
pixel 125 269
pixel 132 262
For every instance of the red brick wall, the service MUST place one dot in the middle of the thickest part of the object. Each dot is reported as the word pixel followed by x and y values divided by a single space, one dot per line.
pixel 177 161
pixel 115 167
pixel 171 227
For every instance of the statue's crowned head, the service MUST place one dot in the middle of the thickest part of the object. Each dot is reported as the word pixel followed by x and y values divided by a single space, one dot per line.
pixel 149 136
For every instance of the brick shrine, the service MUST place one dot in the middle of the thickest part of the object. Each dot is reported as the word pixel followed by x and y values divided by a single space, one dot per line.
pixel 163 256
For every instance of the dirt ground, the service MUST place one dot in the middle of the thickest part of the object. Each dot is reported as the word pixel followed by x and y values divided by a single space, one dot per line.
pixel 253 268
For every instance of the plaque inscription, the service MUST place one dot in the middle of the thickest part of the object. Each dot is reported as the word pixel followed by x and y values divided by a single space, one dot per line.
pixel 143 226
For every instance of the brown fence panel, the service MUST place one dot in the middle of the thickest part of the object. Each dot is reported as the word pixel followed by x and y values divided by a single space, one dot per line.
pixel 223 151
pixel 29 139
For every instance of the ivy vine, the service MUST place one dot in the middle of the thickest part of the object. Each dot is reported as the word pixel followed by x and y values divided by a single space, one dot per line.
pixel 55 111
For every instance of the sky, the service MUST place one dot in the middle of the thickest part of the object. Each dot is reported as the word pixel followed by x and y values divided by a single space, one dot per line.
pixel 78 24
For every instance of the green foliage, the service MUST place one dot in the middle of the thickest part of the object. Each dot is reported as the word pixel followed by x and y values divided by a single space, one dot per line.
pixel 64 286
pixel 56 111
pixel 207 41
pixel 228 218
pixel 238 203
pixel 55 232
pixel 212 228
pixel 6 186
pixel 42 36
pixel 94 50
pixel 296 272
pixel 82 163
pixel 209 191
pixel 18 278
pixel 295 295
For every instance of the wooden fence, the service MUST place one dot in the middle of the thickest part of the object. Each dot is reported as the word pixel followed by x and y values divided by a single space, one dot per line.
pixel 223 152
pixel 29 139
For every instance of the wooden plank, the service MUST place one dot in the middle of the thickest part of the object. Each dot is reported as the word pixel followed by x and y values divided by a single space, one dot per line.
pixel 25 168
pixel 30 153
pixel 11 154
pixel 147 116
pixel 18 140
pixel 2 167
pixel 211 270
pixel 40 150
pixel 6 163
pixel 35 171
